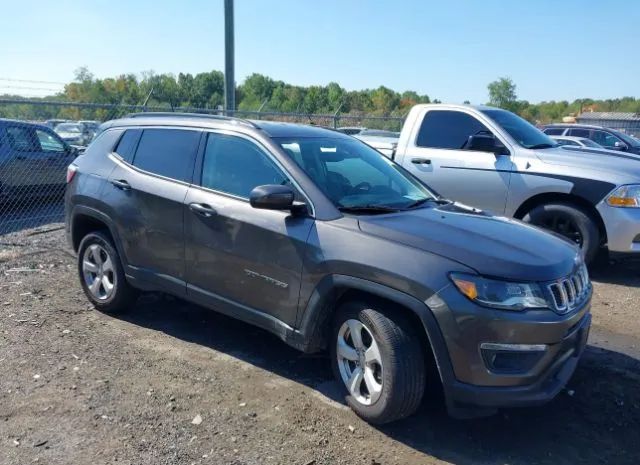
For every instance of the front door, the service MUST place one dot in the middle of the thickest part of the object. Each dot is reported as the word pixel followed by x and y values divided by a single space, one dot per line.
pixel 249 259
pixel 439 158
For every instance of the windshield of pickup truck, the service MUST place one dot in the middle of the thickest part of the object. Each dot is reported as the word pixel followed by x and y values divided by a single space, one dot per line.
pixel 524 133
pixel 356 178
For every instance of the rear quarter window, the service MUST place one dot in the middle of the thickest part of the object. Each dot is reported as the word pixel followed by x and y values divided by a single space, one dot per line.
pixel 127 145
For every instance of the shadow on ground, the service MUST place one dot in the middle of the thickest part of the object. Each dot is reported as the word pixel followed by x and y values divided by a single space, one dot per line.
pixel 596 421
pixel 622 272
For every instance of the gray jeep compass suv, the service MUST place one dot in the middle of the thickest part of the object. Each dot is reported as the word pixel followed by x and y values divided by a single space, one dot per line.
pixel 318 238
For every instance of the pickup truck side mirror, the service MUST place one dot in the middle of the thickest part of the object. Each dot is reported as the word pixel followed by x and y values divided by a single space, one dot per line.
pixel 620 146
pixel 486 143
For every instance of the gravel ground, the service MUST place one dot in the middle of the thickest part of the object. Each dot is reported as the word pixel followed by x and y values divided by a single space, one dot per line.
pixel 172 383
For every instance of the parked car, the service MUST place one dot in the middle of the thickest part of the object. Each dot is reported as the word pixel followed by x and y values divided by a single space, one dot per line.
pixel 52 123
pixel 33 159
pixel 606 137
pixel 321 240
pixel 92 126
pixel 572 141
pixel 495 160
pixel 74 133
pixel 351 130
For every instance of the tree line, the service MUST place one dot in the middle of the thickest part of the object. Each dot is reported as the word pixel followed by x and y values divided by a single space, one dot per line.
pixel 206 91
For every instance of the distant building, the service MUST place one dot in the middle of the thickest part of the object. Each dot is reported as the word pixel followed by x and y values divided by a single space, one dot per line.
pixel 625 122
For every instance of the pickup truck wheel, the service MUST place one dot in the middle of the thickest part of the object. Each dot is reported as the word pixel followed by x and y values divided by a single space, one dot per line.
pixel 570 221
pixel 101 274
pixel 378 361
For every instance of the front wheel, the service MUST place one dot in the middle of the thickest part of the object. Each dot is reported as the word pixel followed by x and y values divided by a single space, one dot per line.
pixel 570 221
pixel 379 362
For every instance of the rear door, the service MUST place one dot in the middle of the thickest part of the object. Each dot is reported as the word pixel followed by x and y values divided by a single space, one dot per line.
pixel 249 259
pixel 438 157
pixel 146 191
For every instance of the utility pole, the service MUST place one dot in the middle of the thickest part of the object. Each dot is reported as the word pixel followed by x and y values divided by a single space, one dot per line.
pixel 229 80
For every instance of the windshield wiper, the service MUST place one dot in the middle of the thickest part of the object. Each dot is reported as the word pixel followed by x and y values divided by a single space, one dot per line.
pixel 417 203
pixel 368 209
pixel 543 146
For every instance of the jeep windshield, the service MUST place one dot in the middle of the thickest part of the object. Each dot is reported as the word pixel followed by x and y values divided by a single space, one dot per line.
pixel 356 178
pixel 523 132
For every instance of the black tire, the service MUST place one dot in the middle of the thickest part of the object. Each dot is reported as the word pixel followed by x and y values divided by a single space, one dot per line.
pixel 123 295
pixel 584 224
pixel 403 364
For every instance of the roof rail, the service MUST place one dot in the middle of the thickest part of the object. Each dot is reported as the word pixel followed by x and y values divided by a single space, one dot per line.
pixel 152 114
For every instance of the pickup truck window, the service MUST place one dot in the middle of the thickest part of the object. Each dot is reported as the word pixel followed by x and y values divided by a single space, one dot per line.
pixel 523 132
pixel 354 176
pixel 444 129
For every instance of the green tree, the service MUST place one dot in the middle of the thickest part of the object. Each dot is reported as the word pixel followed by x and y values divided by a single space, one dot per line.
pixel 502 94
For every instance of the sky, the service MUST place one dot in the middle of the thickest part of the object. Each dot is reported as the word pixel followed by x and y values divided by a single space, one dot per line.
pixel 450 50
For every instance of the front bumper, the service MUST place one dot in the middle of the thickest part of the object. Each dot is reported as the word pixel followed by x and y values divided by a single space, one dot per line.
pixel 546 387
pixel 623 228
pixel 473 383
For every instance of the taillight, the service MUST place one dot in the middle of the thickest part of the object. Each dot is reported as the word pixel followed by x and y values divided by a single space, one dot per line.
pixel 71 172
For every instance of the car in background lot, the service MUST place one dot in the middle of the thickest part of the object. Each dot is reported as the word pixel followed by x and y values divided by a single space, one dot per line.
pixel 351 130
pixel 493 159
pixel 576 142
pixel 33 160
pixel 608 138
pixel 74 133
pixel 318 238
pixel 384 144
pixel 52 123
pixel 92 126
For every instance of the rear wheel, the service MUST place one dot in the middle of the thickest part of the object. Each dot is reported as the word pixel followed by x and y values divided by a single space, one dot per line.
pixel 570 221
pixel 378 361
pixel 101 274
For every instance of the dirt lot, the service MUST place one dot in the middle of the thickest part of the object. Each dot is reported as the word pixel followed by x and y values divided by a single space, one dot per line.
pixel 80 387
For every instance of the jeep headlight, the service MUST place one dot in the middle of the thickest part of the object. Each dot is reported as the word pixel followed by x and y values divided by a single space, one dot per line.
pixel 625 196
pixel 505 295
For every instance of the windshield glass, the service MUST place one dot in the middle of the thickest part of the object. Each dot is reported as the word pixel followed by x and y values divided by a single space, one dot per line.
pixel 353 175
pixel 627 139
pixel 67 127
pixel 522 131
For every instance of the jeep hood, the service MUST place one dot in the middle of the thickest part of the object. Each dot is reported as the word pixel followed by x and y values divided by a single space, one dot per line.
pixel 493 246
pixel 598 160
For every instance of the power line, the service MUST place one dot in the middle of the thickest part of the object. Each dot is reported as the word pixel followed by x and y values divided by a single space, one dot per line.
pixel 50 89
pixel 32 81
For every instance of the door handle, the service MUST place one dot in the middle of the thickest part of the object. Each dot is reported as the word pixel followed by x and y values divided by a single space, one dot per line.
pixel 121 184
pixel 420 161
pixel 202 209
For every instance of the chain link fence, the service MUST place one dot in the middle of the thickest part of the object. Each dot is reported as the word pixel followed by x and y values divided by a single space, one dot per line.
pixel 39 139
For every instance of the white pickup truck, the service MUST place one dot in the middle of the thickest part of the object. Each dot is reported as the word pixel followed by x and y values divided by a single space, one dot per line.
pixel 493 159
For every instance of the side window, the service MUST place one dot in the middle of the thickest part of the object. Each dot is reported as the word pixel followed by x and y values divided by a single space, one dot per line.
pixel 167 152
pixel 22 139
pixel 49 142
pixel 576 132
pixel 554 131
pixel 605 139
pixel 236 166
pixel 127 145
pixel 448 129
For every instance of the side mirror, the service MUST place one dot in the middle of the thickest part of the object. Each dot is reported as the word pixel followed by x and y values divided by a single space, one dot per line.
pixel 486 143
pixel 275 197
pixel 620 146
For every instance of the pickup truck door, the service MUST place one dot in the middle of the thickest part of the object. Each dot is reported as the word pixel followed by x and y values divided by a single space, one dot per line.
pixel 436 154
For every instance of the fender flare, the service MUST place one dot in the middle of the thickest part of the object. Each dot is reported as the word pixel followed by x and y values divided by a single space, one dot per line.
pixel 317 314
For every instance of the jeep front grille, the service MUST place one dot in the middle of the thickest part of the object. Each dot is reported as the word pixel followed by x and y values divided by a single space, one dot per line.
pixel 570 292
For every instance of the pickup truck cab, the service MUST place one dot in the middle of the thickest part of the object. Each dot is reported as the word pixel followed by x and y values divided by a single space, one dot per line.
pixel 493 159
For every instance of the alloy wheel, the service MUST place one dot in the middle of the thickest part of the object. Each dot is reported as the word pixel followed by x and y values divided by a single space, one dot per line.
pixel 359 361
pixel 99 274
